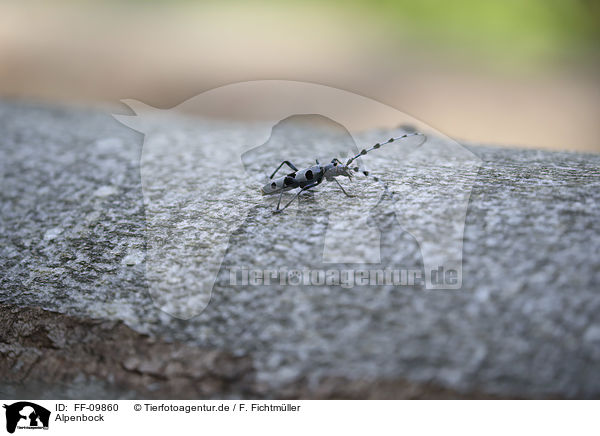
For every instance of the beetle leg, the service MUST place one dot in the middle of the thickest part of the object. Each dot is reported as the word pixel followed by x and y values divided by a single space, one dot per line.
pixel 285 162
pixel 306 188
pixel 279 202
pixel 342 188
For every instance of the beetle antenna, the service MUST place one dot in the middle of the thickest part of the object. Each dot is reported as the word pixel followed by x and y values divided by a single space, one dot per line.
pixel 378 145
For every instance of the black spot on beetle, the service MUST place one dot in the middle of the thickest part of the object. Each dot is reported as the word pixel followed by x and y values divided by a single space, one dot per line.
pixel 273 185
pixel 292 175
pixel 309 175
pixel 288 181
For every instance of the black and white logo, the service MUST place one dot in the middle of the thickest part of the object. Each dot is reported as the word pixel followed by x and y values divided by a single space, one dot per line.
pixel 26 415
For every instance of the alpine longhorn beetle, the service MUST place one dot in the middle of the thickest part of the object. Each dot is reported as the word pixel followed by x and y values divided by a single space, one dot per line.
pixel 310 177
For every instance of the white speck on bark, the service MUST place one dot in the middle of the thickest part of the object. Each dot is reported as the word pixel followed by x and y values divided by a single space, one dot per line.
pixel 105 191
pixel 133 258
pixel 52 233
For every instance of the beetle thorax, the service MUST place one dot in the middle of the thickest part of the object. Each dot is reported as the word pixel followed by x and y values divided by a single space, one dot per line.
pixel 336 169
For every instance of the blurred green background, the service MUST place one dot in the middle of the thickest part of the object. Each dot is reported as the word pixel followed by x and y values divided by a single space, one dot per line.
pixel 510 72
pixel 513 33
